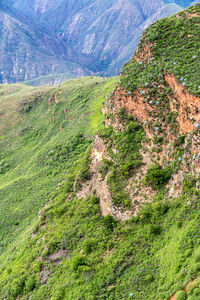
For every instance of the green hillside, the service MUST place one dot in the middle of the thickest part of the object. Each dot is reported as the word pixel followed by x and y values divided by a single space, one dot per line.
pixel 118 195
pixel 40 140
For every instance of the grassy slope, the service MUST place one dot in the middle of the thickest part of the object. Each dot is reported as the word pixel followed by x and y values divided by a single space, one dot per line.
pixel 148 257
pixel 39 143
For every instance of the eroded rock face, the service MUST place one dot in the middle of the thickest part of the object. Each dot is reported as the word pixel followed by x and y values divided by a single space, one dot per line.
pixel 189 106
pixel 187 110
pixel 99 185
pixel 134 106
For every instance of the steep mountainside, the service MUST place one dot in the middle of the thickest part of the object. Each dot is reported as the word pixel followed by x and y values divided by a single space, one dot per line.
pixel 80 37
pixel 124 222
pixel 28 52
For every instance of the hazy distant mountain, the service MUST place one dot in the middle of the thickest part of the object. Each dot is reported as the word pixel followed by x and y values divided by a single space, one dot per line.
pixel 28 52
pixel 195 2
pixel 41 37
pixel 182 3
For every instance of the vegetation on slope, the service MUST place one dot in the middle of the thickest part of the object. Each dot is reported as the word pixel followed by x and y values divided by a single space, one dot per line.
pixel 121 166
pixel 43 132
pixel 72 251
pixel 75 253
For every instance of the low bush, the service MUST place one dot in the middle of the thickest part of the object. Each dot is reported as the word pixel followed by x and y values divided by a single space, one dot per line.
pixel 109 222
pixel 157 176
pixel 180 295
pixel 78 261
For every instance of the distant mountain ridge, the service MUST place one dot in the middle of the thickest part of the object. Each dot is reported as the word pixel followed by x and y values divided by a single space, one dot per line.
pixel 78 38
pixel 182 3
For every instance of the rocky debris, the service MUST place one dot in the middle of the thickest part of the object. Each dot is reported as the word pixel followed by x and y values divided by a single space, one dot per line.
pixel 44 276
pixel 56 257
pixel 99 186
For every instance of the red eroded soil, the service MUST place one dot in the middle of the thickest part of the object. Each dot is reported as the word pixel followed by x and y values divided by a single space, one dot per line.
pixel 145 54
pixel 188 105
pixel 136 106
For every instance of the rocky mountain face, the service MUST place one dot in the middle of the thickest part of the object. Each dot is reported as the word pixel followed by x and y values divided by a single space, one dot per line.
pixel 78 38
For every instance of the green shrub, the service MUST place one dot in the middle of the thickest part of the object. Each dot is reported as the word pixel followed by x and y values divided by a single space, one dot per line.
pixel 149 278
pixel 180 295
pixel 179 141
pixel 89 245
pixel 179 224
pixel 94 200
pixel 31 283
pixel 53 245
pixel 17 287
pixel 196 292
pixel 84 173
pixel 78 261
pixel 104 167
pixel 189 183
pixel 4 167
pixel 69 182
pixel 105 132
pixel 195 270
pixel 197 258
pixel 157 176
pixel 109 222
pixel 155 229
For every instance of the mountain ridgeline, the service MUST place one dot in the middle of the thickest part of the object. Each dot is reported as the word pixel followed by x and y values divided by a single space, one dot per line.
pixel 112 166
pixel 74 39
